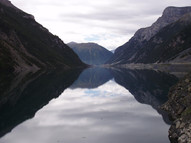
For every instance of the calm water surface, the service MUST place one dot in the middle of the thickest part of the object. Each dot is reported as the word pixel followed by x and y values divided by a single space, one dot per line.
pixel 101 106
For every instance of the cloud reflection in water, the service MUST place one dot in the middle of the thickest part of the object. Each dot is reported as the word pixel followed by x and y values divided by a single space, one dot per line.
pixel 107 114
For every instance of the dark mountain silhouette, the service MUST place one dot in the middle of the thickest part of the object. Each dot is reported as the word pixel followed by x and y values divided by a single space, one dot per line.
pixel 91 53
pixel 27 45
pixel 167 40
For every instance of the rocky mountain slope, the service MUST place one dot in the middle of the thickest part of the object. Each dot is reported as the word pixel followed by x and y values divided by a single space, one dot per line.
pixel 27 45
pixel 179 108
pixel 91 53
pixel 170 44
pixel 148 39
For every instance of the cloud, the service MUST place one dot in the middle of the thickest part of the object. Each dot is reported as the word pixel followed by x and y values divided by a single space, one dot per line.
pixel 108 22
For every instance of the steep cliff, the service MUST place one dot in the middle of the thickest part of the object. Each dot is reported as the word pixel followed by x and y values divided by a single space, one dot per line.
pixel 170 44
pixel 128 52
pixel 27 45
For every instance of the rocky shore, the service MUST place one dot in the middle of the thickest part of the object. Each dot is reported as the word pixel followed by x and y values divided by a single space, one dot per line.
pixel 179 108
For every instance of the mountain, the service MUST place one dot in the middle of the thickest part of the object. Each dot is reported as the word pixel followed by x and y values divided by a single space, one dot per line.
pixel 91 53
pixel 113 51
pixel 8 3
pixel 130 52
pixel 27 45
pixel 170 44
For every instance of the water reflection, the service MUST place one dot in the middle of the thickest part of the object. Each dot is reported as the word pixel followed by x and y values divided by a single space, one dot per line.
pixel 24 94
pixel 77 117
pixel 147 86
pixel 92 78
pixel 94 109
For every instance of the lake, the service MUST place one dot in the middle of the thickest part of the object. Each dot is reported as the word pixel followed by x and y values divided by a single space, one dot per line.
pixel 96 105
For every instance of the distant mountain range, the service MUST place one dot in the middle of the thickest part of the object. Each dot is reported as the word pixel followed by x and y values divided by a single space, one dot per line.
pixel 27 45
pixel 167 40
pixel 91 53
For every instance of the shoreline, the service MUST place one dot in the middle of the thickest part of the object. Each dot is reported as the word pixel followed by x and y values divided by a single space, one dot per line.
pixel 179 108
pixel 177 69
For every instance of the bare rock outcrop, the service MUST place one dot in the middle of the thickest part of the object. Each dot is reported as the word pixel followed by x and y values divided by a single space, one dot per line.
pixel 179 109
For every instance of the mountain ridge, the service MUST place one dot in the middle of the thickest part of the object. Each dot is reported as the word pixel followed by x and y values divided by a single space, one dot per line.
pixel 27 45
pixel 125 53
pixel 169 43
pixel 91 53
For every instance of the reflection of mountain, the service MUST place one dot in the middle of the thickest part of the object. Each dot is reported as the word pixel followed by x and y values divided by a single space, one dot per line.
pixel 92 78
pixel 24 95
pixel 147 86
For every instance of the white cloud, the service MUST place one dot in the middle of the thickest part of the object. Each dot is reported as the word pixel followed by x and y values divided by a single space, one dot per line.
pixel 110 22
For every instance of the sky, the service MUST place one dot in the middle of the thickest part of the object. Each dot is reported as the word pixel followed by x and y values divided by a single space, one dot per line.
pixel 110 23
